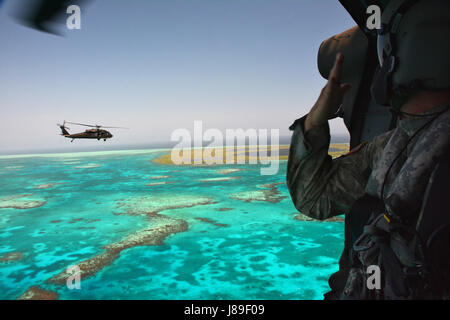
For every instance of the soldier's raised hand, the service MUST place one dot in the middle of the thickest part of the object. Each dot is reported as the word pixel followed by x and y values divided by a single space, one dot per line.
pixel 330 97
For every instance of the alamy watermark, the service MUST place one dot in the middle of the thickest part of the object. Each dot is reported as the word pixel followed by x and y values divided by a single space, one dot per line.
pixel 228 148
pixel 374 280
pixel 374 20
pixel 74 279
pixel 74 20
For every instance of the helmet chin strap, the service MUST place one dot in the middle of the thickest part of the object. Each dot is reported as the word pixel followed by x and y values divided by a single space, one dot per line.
pixel 400 113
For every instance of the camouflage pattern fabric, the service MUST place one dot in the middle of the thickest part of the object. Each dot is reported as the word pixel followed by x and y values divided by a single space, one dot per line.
pixel 402 159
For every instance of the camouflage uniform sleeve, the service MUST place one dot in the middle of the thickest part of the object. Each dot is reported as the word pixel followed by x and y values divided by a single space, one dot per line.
pixel 322 187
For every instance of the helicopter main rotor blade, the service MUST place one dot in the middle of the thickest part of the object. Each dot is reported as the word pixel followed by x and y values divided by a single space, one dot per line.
pixel 82 124
pixel 114 127
pixel 94 126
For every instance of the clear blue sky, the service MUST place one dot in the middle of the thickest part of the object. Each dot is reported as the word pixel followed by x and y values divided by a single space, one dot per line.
pixel 155 66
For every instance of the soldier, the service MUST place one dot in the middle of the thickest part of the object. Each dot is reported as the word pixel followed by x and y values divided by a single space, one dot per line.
pixel 388 187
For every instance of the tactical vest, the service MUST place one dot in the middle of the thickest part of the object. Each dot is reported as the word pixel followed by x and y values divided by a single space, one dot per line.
pixel 414 258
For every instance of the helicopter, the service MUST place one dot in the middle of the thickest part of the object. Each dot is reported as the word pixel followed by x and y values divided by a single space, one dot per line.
pixel 96 133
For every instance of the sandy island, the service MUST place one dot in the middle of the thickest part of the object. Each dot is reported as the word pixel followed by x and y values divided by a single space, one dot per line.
pixel 245 154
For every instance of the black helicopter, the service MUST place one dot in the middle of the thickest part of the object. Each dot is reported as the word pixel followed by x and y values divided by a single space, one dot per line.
pixel 96 133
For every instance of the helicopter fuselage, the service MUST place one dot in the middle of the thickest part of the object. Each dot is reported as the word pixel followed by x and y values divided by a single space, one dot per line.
pixel 90 134
pixel 94 133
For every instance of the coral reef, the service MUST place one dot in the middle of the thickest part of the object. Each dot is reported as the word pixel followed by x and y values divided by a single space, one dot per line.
pixel 25 201
pixel 206 220
pixel 269 194
pixel 46 185
pixel 151 236
pixel 229 170
pixel 11 257
pixel 149 205
pixel 37 293
pixel 159 228
pixel 218 179
pixel 159 177
pixel 302 217
pixel 89 165
pixel 159 183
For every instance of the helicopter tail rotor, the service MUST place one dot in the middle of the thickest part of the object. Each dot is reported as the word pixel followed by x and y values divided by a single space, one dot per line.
pixel 63 128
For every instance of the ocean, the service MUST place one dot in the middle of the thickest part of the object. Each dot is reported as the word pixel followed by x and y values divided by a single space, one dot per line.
pixel 138 229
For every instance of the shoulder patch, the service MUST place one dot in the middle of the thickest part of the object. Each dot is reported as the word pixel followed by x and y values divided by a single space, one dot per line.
pixel 356 149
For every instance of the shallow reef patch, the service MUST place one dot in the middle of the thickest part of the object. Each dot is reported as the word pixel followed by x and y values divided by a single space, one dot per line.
pixel 303 217
pixel 159 177
pixel 159 183
pixel 218 179
pixel 37 293
pixel 160 228
pixel 213 222
pixel 89 165
pixel 224 209
pixel 269 193
pixel 229 170
pixel 151 204
pixel 46 185
pixel 24 201
pixel 11 257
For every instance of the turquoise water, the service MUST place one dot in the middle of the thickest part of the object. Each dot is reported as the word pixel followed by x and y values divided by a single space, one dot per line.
pixel 72 205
